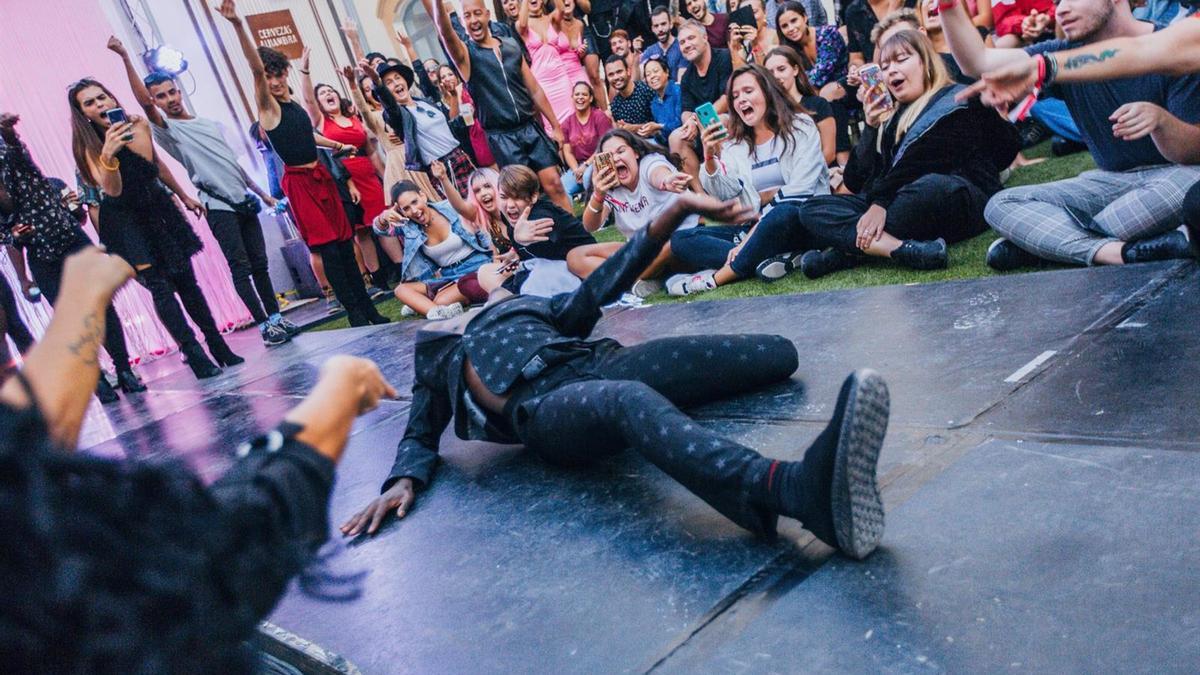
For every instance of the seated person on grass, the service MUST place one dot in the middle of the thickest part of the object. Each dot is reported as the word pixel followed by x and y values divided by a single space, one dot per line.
pixel 771 160
pixel 438 251
pixel 640 183
pixel 920 175
pixel 785 65
pixel 1141 131
pixel 529 233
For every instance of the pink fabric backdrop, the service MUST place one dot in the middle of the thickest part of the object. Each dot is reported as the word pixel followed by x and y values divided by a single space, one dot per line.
pixel 48 45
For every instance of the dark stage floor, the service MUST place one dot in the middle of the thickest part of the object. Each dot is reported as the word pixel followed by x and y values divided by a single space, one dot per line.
pixel 1040 475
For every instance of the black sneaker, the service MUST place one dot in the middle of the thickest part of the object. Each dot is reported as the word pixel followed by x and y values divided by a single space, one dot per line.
pixel 816 264
pixel 1031 132
pixel 778 266
pixel 1005 256
pixel 923 255
pixel 273 335
pixel 1173 245
pixel 833 491
pixel 1061 147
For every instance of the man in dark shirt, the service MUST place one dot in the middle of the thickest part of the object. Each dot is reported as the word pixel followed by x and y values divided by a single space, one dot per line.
pixel 704 81
pixel 630 100
pixel 41 234
pixel 523 370
pixel 1141 131
pixel 507 97
pixel 716 25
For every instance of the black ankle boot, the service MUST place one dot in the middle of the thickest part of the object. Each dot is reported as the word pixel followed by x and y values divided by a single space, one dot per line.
pixel 129 382
pixel 923 255
pixel 833 491
pixel 105 392
pixel 221 352
pixel 816 264
pixel 198 361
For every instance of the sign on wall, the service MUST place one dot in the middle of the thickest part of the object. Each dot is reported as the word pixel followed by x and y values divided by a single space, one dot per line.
pixel 278 31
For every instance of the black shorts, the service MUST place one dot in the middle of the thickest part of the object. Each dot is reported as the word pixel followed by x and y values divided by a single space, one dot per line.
pixel 527 145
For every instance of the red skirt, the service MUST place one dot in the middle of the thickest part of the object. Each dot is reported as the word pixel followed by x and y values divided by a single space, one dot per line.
pixel 316 205
pixel 364 178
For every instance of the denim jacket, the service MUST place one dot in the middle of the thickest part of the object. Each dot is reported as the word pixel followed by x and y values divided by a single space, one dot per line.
pixel 418 267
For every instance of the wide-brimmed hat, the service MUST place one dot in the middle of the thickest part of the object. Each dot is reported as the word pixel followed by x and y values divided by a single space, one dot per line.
pixel 390 67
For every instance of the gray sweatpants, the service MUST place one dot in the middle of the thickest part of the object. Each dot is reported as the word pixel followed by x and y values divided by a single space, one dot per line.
pixel 1070 220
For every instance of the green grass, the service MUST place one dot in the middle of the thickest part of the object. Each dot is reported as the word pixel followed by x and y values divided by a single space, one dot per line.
pixel 966 258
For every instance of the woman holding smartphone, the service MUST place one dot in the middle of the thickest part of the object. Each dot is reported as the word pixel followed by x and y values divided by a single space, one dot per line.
pixel 920 175
pixel 140 222
pixel 770 158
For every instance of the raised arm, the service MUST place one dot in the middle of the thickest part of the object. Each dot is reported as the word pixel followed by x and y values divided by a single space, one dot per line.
pixel 575 315
pixel 138 87
pixel 1175 50
pixel 455 48
pixel 308 94
pixel 460 204
pixel 969 50
pixel 350 29
pixel 523 19
pixel 268 107
pixel 63 366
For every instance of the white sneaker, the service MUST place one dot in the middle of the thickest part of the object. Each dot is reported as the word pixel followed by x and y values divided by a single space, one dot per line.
pixel 444 312
pixel 687 284
pixel 407 311
pixel 644 288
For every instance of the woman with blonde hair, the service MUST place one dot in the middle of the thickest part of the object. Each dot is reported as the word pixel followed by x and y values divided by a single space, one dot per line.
pixel 921 174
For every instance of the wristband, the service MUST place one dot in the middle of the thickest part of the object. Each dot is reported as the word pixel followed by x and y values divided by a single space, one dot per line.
pixel 1051 70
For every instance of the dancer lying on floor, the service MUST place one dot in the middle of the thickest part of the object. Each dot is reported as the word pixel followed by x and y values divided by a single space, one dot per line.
pixel 522 370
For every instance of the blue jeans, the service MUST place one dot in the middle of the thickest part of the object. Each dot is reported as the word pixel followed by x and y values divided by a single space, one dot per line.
pixel 706 248
pixel 574 187
pixel 1053 113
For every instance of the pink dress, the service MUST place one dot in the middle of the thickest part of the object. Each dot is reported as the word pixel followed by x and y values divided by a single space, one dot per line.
pixel 555 65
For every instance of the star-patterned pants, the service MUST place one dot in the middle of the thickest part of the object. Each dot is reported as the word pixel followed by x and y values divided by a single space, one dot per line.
pixel 628 397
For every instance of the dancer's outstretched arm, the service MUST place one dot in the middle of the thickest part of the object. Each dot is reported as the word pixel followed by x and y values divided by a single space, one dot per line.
pixel 576 314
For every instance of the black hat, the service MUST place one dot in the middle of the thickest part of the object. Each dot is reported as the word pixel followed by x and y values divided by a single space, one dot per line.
pixel 388 67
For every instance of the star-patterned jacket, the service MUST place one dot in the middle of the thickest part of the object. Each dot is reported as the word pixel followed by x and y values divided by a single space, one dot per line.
pixel 510 343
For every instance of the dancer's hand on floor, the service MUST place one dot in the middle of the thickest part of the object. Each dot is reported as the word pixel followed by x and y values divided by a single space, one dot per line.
pixel 399 497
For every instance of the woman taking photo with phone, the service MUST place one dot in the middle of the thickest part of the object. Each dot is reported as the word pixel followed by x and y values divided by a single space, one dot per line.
pixel 140 222
pixel 769 158
pixel 634 181
pixel 920 175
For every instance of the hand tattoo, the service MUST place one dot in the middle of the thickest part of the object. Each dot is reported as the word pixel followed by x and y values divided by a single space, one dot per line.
pixel 87 345
pixel 1077 62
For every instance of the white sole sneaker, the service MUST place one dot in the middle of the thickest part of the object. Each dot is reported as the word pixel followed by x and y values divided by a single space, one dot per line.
pixel 644 288
pixel 777 267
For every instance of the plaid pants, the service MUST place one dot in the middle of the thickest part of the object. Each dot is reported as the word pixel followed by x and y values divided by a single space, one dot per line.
pixel 1070 220
pixel 459 167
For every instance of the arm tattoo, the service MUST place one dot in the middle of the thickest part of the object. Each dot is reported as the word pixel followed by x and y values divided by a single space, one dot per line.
pixel 1077 62
pixel 87 345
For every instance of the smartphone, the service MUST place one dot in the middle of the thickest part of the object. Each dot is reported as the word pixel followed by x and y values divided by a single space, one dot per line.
pixel 743 16
pixel 604 162
pixel 116 116
pixel 708 116
pixel 872 78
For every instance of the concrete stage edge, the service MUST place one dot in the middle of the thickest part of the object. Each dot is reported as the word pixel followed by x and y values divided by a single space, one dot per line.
pixel 1040 477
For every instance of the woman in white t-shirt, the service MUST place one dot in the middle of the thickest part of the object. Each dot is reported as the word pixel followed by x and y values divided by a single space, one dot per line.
pixel 770 158
pixel 638 186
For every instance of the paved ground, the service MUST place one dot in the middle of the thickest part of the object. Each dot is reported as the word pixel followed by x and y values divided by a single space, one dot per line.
pixel 1040 476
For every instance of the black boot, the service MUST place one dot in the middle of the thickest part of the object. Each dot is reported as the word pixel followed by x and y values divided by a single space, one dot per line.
pixel 129 382
pixel 105 392
pixel 816 264
pixel 833 491
pixel 923 255
pixel 221 352
pixel 198 361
